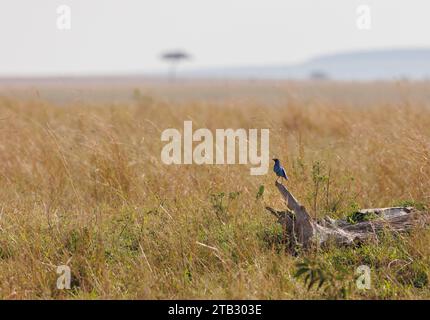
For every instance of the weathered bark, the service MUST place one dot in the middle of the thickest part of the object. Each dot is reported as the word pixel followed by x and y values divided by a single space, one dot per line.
pixel 303 230
pixel 303 226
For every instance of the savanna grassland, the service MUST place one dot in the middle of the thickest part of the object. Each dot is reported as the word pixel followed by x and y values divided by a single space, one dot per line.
pixel 82 184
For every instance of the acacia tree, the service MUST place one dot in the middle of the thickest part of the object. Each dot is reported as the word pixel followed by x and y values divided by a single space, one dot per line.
pixel 173 58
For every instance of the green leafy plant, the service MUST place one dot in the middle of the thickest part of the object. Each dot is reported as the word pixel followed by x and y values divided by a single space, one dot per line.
pixel 355 216
pixel 260 192
pixel 411 203
pixel 314 275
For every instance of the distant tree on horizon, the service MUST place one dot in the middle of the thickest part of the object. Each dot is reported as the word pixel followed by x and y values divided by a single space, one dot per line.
pixel 174 57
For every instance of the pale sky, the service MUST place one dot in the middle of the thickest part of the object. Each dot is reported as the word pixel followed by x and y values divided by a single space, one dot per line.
pixel 127 36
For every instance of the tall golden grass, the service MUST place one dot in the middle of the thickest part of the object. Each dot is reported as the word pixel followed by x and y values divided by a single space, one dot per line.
pixel 84 185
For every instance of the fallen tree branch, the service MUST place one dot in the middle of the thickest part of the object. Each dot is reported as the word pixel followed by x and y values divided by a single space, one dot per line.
pixel 303 226
pixel 304 231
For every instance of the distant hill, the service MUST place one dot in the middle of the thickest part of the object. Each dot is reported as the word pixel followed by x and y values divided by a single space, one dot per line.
pixel 390 64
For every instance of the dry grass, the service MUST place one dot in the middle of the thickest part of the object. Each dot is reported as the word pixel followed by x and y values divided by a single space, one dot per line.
pixel 84 184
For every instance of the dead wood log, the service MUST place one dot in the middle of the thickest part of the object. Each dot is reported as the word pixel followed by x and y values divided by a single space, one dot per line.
pixel 304 231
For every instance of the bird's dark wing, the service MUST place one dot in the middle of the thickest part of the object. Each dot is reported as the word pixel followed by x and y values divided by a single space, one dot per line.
pixel 284 174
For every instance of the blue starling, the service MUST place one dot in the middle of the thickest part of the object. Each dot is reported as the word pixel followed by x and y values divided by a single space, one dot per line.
pixel 279 170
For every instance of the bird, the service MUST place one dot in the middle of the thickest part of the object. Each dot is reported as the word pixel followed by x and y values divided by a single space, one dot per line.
pixel 279 170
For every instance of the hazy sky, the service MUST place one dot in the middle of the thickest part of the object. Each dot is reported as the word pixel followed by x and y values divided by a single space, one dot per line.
pixel 109 36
